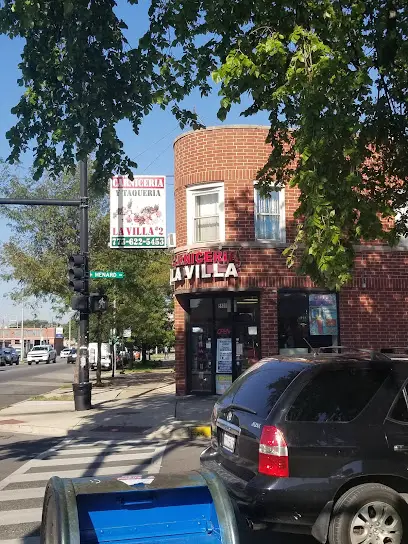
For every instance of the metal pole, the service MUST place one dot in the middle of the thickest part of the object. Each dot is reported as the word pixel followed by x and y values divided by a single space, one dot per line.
pixel 22 333
pixel 114 335
pixel 82 387
pixel 69 333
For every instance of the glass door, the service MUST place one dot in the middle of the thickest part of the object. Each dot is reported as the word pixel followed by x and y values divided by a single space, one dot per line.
pixel 247 337
pixel 224 344
pixel 200 345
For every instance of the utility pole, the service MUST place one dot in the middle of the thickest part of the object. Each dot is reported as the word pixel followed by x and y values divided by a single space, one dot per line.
pixel 22 333
pixel 82 387
pixel 69 332
pixel 114 336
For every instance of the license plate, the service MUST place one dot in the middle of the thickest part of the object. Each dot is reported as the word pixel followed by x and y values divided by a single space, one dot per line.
pixel 228 442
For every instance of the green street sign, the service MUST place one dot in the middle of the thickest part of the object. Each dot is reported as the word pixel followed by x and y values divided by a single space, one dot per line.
pixel 108 275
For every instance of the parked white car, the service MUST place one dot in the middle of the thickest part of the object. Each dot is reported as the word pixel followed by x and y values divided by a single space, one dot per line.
pixel 44 353
pixel 65 353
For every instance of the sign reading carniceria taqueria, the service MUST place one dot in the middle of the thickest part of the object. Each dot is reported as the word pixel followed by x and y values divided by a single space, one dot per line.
pixel 205 264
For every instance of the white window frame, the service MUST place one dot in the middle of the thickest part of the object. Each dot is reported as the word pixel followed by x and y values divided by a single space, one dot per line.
pixel 205 188
pixel 403 241
pixel 282 218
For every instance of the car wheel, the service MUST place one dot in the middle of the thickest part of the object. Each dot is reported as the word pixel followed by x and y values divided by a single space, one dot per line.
pixel 29 364
pixel 37 362
pixel 369 513
pixel 18 361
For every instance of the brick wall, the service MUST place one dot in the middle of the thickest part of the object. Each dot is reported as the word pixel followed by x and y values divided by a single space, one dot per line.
pixel 373 309
pixel 231 155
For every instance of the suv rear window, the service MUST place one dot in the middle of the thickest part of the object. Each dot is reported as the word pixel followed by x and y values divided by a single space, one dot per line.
pixel 260 389
pixel 337 395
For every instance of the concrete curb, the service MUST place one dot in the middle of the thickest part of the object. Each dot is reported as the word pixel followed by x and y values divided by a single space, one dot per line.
pixel 173 432
pixel 190 432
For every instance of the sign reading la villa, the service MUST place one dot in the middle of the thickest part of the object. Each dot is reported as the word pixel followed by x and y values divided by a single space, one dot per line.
pixel 205 264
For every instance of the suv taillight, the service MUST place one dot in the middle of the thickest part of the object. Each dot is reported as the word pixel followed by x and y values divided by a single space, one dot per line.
pixel 273 453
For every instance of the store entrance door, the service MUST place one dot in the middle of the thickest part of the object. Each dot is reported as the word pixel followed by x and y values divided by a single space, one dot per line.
pixel 223 340
pixel 200 346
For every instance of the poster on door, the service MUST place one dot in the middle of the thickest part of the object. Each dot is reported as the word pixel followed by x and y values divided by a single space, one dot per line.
pixel 222 382
pixel 224 355
pixel 323 319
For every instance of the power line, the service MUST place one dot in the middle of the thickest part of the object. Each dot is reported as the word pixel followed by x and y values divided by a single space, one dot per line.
pixel 155 143
pixel 158 157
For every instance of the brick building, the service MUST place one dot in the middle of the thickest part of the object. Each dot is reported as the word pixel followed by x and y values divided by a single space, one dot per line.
pixel 32 336
pixel 235 299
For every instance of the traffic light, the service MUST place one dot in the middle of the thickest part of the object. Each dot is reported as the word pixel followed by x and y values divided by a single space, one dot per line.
pixel 98 303
pixel 78 282
pixel 77 273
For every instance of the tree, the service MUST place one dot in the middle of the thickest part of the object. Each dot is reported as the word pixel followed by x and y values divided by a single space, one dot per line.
pixel 332 75
pixel 37 323
pixel 36 256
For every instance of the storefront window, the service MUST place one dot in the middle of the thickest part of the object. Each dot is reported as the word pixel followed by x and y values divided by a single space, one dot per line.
pixel 306 320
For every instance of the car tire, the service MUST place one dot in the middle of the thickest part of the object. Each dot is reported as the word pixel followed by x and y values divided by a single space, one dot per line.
pixel 29 364
pixel 37 362
pixel 18 361
pixel 361 504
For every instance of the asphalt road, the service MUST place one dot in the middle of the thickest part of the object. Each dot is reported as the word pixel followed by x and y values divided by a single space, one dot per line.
pixel 21 382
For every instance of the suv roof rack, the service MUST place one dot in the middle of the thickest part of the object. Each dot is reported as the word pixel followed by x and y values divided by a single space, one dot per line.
pixel 338 350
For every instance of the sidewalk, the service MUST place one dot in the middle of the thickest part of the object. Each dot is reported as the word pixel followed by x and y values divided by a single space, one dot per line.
pixel 143 404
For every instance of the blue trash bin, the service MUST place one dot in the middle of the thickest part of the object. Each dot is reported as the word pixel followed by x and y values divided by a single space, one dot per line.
pixel 192 508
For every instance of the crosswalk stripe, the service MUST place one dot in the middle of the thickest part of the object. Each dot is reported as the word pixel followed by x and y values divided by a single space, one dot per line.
pixel 23 540
pixel 21 494
pixel 84 460
pixel 106 443
pixel 14 517
pixel 79 473
pixel 85 451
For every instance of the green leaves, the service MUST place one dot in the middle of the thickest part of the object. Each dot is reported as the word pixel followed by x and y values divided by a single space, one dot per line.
pixel 43 238
pixel 331 75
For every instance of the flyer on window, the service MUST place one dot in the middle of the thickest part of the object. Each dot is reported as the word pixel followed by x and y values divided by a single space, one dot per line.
pixel 222 382
pixel 224 355
pixel 323 319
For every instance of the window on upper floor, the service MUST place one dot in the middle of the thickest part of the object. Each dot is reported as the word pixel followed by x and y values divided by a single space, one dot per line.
pixel 270 216
pixel 205 213
pixel 402 215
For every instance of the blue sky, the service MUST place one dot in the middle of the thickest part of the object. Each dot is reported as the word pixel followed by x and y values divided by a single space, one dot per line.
pixel 152 149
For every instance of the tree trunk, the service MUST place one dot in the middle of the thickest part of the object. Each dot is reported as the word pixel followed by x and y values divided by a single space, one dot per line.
pixel 144 352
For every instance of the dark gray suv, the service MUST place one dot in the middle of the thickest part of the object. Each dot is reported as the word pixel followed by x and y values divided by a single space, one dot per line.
pixel 317 446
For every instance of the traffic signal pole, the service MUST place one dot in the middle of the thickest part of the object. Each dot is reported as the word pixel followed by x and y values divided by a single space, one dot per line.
pixel 82 386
